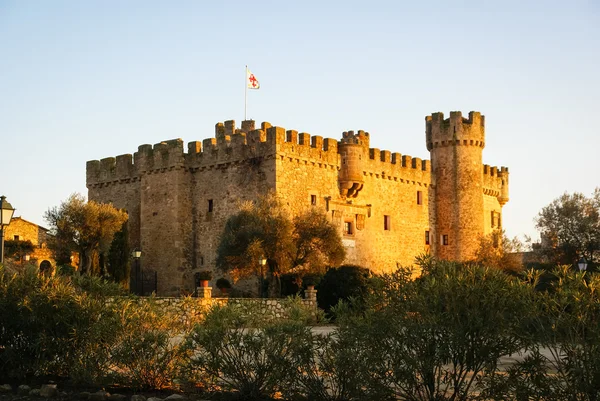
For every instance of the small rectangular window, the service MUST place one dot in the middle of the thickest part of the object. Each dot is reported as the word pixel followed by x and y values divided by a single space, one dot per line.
pixel 419 197
pixel 210 205
pixel 313 200
pixel 387 223
pixel 16 237
pixel 348 228
pixel 492 218
pixel 426 237
pixel 445 239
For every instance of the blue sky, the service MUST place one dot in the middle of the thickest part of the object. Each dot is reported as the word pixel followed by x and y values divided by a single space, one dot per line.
pixel 84 80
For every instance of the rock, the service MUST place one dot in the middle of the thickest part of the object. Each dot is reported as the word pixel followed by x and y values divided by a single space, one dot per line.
pixel 99 396
pixel 5 388
pixel 23 389
pixel 48 390
pixel 154 399
pixel 117 397
pixel 176 397
pixel 84 395
pixel 63 394
pixel 138 397
pixel 35 392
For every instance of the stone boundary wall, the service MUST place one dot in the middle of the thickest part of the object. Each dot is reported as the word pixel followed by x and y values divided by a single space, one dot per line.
pixel 191 310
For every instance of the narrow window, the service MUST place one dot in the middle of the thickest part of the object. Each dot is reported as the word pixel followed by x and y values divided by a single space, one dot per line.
pixel 445 239
pixel 201 260
pixel 348 228
pixel 313 200
pixel 419 197
pixel 492 219
pixel 387 223
pixel 16 237
pixel 210 205
pixel 426 237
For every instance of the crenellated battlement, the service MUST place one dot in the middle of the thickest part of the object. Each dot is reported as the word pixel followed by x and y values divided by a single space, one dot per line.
pixel 233 145
pixel 455 131
pixel 360 138
pixel 495 182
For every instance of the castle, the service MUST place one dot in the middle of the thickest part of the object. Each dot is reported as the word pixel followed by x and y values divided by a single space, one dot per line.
pixel 389 207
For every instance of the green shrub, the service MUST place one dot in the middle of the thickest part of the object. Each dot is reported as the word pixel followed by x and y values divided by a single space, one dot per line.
pixel 343 283
pixel 223 283
pixel 432 337
pixel 146 355
pixel 238 350
pixel 53 324
pixel 565 325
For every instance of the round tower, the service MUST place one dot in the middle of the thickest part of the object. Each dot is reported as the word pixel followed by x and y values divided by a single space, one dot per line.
pixel 456 146
pixel 352 151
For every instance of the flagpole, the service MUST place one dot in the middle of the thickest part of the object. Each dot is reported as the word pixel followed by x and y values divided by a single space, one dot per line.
pixel 245 91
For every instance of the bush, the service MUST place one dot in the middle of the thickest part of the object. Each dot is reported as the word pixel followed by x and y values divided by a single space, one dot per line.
pixel 238 350
pixel 223 283
pixel 204 275
pixel 343 283
pixel 433 337
pixel 53 325
pixel 145 355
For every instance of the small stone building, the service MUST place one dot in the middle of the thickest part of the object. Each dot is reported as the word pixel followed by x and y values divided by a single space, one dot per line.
pixel 389 207
pixel 22 230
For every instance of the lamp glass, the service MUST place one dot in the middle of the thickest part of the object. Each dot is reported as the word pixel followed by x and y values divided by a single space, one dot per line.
pixel 137 253
pixel 262 261
pixel 6 213
pixel 582 264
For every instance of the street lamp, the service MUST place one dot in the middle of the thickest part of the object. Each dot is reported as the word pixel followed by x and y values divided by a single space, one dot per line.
pixel 261 262
pixel 582 264
pixel 137 254
pixel 6 214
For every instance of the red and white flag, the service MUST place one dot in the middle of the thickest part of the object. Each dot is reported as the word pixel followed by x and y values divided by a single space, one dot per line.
pixel 251 80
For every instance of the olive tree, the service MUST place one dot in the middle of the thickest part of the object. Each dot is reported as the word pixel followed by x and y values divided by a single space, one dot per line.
pixel 570 228
pixel 263 229
pixel 85 227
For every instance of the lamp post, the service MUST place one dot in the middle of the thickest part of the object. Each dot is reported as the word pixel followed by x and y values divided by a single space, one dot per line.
pixel 137 254
pixel 6 214
pixel 582 264
pixel 261 262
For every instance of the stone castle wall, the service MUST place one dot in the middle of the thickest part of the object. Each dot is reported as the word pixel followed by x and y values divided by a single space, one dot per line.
pixel 179 201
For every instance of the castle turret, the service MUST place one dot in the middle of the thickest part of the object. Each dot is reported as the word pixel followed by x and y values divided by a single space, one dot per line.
pixel 456 146
pixel 352 151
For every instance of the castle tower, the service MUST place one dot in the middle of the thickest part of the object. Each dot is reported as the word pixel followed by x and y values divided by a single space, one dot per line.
pixel 352 151
pixel 456 146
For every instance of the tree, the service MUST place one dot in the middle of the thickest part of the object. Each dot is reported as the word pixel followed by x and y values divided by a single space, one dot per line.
pixel 318 243
pixel 263 229
pixel 118 266
pixel 499 251
pixel 570 228
pixel 87 228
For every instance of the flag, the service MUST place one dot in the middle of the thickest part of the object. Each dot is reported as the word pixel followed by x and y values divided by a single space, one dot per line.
pixel 251 80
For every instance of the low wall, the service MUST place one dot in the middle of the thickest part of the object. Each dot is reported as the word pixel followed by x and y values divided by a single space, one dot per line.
pixel 191 310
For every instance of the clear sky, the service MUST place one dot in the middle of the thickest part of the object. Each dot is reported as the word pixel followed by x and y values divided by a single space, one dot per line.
pixel 84 80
